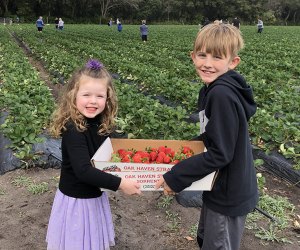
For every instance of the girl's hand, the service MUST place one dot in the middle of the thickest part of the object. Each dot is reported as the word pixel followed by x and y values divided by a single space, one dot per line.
pixel 129 187
pixel 161 183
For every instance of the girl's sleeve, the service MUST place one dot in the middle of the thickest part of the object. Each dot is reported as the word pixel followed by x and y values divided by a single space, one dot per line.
pixel 77 150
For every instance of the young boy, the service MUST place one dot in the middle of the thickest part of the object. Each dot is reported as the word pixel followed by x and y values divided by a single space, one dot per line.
pixel 225 104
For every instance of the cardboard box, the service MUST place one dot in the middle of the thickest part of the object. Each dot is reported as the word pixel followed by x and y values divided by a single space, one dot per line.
pixel 145 174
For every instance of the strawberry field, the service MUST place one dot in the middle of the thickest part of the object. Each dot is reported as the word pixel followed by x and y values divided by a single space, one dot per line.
pixel 157 90
pixel 156 82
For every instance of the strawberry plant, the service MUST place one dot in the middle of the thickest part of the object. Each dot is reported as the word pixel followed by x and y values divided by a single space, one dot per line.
pixel 26 100
pixel 163 68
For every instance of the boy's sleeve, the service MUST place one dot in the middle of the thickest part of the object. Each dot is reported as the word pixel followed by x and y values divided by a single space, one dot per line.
pixel 220 138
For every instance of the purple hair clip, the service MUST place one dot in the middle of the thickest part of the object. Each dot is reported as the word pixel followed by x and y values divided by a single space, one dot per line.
pixel 94 64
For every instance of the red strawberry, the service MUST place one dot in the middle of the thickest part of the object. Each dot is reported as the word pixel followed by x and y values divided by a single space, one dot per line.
pixel 145 154
pixel 153 156
pixel 186 150
pixel 161 154
pixel 172 154
pixel 125 158
pixel 167 159
pixel 121 152
pixel 137 158
pixel 161 149
pixel 168 151
pixel 146 160
pixel 129 153
pixel 159 159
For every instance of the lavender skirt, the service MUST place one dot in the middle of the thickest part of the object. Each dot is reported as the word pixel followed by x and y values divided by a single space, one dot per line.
pixel 80 224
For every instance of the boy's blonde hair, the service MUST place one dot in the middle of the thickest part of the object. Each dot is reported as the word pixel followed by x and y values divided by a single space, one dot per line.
pixel 219 39
pixel 67 110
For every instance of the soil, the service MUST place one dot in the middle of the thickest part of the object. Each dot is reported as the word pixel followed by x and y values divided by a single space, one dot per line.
pixel 140 224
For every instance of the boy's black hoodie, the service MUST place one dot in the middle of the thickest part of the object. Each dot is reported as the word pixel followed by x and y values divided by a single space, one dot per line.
pixel 225 106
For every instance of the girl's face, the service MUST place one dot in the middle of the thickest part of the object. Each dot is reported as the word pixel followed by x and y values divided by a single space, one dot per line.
pixel 209 67
pixel 91 96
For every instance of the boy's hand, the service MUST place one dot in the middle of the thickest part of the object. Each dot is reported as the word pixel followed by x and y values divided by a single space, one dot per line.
pixel 129 187
pixel 161 183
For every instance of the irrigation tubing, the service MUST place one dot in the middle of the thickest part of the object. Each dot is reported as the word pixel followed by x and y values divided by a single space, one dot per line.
pixel 265 214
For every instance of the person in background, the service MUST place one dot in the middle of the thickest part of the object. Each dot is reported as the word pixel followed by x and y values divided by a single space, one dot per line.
pixel 60 24
pixel 56 22
pixel 260 25
pixel 236 23
pixel 81 216
pixel 40 24
pixel 226 138
pixel 119 27
pixel 110 23
pixel 144 31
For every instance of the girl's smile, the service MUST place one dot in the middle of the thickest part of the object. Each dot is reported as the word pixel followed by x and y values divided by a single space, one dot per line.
pixel 91 96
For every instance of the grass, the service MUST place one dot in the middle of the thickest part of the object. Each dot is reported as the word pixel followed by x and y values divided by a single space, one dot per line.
pixel 174 221
pixel 38 188
pixel 165 201
pixel 193 230
pixel 22 181
pixel 32 186
pixel 277 206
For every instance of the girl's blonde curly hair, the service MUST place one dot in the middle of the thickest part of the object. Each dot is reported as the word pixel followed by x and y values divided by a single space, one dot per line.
pixel 66 109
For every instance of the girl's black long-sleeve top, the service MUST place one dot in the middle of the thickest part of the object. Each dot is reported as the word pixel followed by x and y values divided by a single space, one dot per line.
pixel 79 179
pixel 225 107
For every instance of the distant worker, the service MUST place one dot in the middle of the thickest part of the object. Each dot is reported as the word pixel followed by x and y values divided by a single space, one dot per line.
pixel 60 24
pixel 40 24
pixel 120 27
pixel 236 23
pixel 110 23
pixel 260 25
pixel 144 31
pixel 56 22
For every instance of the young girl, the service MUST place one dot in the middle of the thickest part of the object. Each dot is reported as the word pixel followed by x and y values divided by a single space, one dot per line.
pixel 81 217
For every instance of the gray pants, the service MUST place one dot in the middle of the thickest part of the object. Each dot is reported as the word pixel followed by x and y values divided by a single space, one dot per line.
pixel 219 232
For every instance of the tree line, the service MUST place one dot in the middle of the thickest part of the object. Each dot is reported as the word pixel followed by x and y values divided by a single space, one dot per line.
pixel 285 12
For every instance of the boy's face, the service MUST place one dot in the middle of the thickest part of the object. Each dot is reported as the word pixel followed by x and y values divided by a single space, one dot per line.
pixel 209 67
